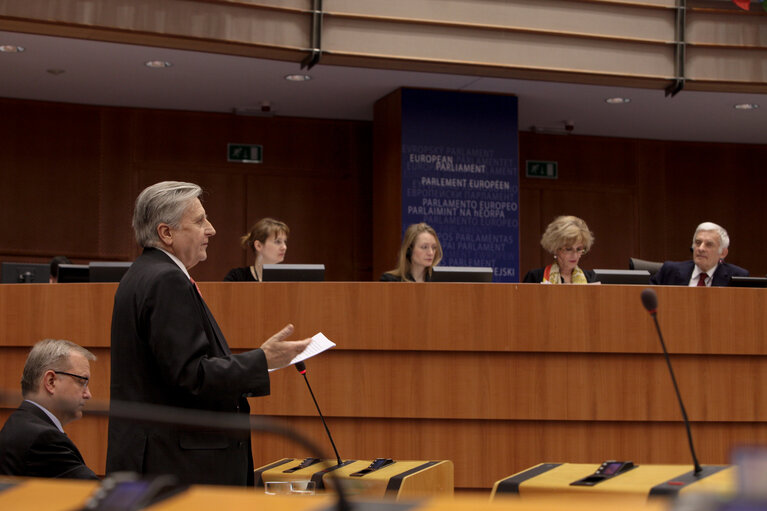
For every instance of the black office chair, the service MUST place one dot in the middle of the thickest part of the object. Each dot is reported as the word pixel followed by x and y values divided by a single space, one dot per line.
pixel 641 264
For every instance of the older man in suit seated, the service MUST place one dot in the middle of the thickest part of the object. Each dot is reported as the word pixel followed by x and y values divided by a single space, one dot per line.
pixel 55 388
pixel 709 248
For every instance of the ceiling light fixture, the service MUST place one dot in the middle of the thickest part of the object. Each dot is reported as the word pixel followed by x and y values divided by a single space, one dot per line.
pixel 10 48
pixel 298 78
pixel 746 106
pixel 617 101
pixel 157 64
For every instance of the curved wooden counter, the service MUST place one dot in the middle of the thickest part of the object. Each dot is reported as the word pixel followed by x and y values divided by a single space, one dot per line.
pixel 496 377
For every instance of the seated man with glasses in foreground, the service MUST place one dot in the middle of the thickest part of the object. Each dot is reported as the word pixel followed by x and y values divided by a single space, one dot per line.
pixel 567 238
pixel 54 385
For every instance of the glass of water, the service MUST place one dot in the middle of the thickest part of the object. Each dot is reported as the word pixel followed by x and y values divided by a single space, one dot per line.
pixel 277 487
pixel 302 487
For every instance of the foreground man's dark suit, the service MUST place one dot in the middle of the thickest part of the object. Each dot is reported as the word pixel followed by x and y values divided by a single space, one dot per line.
pixel 679 274
pixel 32 446
pixel 167 349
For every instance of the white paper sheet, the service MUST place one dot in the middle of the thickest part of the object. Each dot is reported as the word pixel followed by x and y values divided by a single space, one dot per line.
pixel 319 344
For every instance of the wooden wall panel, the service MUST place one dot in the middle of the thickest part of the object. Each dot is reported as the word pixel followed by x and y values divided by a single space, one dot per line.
pixel 316 173
pixel 49 166
pixel 490 383
pixel 387 182
pixel 674 186
pixel 642 198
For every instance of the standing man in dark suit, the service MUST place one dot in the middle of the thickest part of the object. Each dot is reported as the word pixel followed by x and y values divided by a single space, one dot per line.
pixel 709 248
pixel 54 384
pixel 167 349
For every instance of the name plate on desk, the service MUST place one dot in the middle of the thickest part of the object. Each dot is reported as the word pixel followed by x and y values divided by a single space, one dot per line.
pixel 396 478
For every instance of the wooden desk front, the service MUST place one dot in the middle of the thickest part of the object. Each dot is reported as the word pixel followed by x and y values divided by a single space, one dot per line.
pixel 496 377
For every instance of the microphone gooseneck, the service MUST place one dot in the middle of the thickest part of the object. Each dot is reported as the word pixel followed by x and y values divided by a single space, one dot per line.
pixel 650 302
pixel 301 368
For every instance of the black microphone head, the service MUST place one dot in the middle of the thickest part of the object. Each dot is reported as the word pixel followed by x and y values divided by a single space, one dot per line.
pixel 649 300
pixel 300 367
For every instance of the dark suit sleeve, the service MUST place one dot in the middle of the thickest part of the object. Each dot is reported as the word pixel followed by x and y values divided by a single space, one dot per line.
pixel 180 341
pixel 659 277
pixel 54 449
pixel 388 277
pixel 590 276
pixel 534 276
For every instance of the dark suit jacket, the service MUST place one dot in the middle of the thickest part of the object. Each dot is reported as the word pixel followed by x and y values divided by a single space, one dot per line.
pixel 32 446
pixel 536 276
pixel 240 275
pixel 679 274
pixel 389 277
pixel 168 350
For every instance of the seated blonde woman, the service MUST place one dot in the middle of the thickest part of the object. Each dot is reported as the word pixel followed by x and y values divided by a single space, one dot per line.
pixel 567 239
pixel 419 253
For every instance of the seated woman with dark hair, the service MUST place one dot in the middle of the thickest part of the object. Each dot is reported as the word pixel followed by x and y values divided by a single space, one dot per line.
pixel 567 238
pixel 419 253
pixel 268 239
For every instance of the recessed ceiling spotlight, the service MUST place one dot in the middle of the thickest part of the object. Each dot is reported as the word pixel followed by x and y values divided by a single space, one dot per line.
pixel 157 64
pixel 10 48
pixel 746 106
pixel 617 101
pixel 298 78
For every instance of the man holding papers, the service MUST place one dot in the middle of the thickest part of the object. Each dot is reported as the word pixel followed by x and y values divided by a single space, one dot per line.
pixel 167 349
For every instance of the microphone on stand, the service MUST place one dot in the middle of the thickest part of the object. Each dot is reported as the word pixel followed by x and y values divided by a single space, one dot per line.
pixel 650 302
pixel 301 368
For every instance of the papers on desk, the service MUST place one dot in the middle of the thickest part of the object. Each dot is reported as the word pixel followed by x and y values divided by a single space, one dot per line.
pixel 319 344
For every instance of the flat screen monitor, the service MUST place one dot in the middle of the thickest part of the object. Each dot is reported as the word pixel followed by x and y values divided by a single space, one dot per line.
pixel 623 276
pixel 73 273
pixel 107 271
pixel 26 273
pixel 748 282
pixel 293 272
pixel 461 274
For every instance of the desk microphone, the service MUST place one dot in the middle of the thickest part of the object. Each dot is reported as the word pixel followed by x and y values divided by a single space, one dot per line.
pixel 650 302
pixel 301 368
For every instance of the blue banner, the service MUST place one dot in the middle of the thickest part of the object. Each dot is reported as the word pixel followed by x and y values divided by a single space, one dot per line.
pixel 460 174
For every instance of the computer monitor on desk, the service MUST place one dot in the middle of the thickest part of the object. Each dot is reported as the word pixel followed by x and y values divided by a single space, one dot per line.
pixel 623 276
pixel 107 271
pixel 69 273
pixel 461 274
pixel 26 273
pixel 293 273
pixel 748 282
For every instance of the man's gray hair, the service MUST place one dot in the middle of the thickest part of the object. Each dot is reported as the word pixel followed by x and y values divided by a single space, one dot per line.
pixel 48 354
pixel 161 203
pixel 724 238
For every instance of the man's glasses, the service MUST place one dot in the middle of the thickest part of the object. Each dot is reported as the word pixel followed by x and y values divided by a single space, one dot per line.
pixel 82 380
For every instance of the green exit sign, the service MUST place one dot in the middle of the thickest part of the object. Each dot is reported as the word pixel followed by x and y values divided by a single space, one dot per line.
pixel 541 169
pixel 244 153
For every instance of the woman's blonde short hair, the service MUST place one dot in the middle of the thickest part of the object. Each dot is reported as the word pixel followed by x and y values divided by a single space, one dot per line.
pixel 566 231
